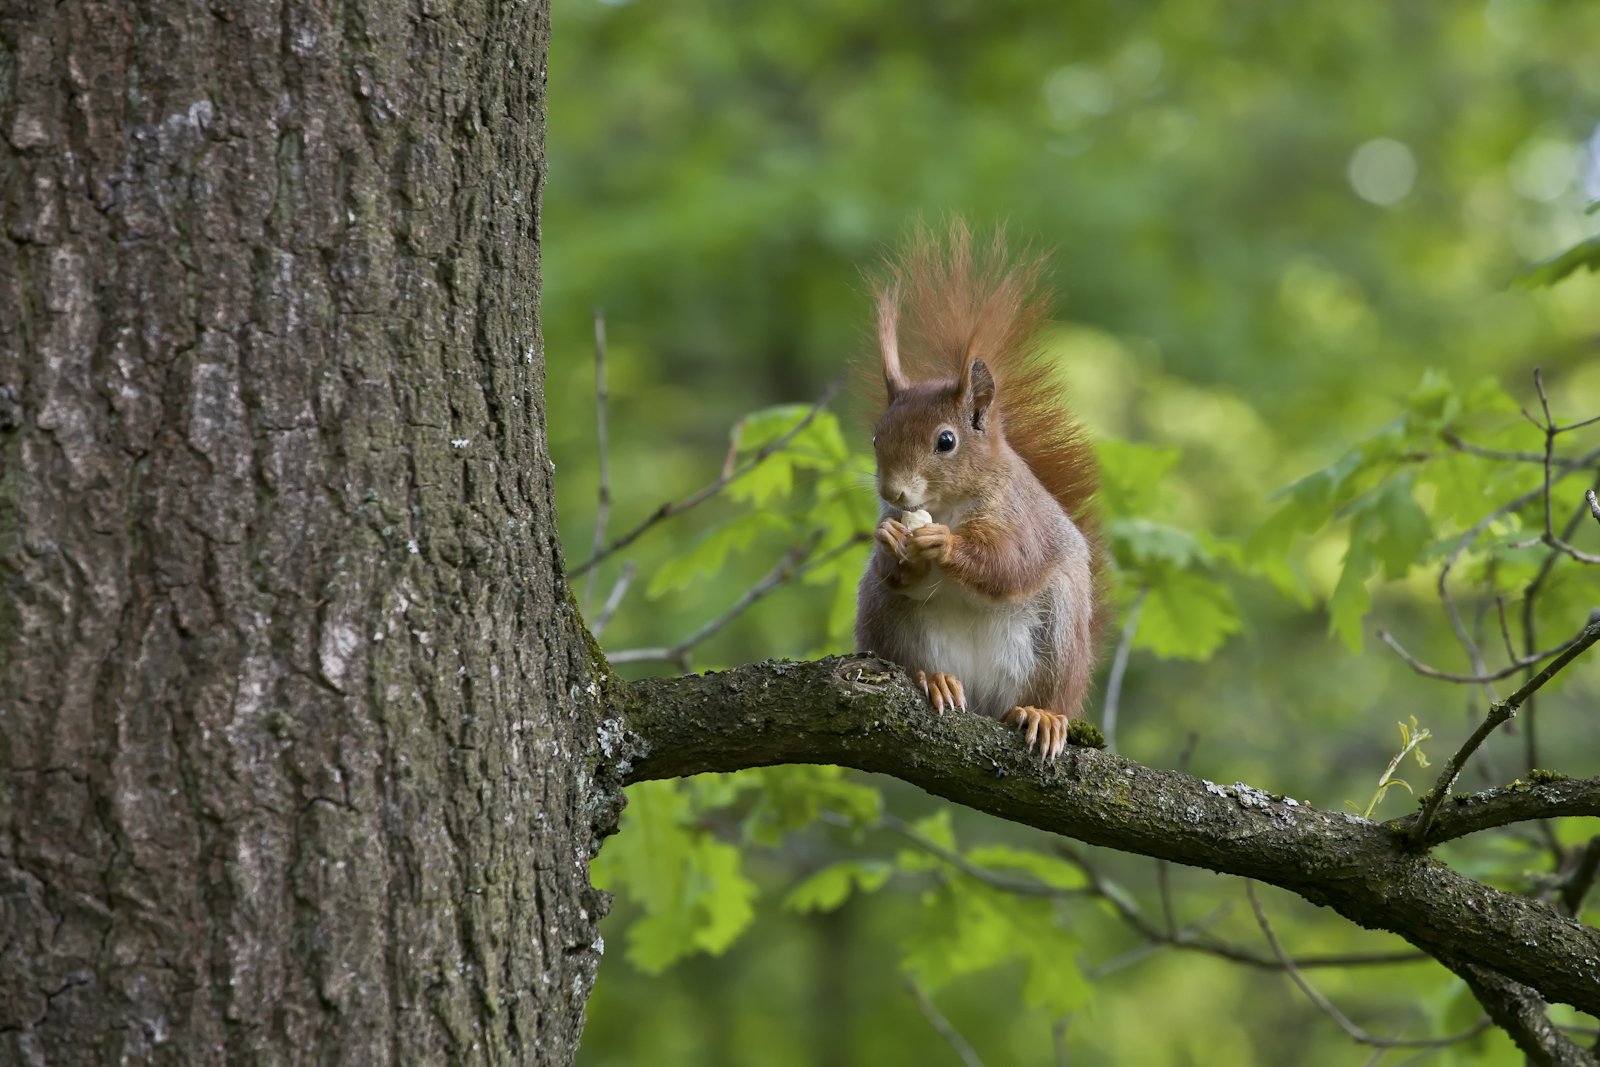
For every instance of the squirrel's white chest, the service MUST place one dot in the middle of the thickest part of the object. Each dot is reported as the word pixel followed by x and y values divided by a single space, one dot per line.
pixel 990 645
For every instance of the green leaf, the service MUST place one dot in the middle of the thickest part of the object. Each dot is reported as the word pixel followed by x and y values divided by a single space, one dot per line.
pixel 707 558
pixel 793 796
pixel 771 480
pixel 830 887
pixel 688 883
pixel 969 927
pixel 1542 275
pixel 1395 526
pixel 1140 542
pixel 1186 615
pixel 1131 475
pixel 1350 600
pixel 1047 869
pixel 1434 403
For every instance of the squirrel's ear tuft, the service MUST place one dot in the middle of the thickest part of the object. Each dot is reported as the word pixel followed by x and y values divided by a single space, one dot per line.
pixel 888 341
pixel 977 394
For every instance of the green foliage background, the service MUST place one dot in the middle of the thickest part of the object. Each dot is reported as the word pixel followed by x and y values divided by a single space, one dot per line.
pixel 1233 320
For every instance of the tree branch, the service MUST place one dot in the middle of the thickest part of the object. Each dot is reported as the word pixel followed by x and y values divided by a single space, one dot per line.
pixel 1521 1012
pixel 1499 713
pixel 859 711
pixel 1360 1035
pixel 1465 814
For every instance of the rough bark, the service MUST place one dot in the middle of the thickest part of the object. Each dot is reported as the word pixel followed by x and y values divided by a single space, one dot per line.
pixel 1522 1013
pixel 290 685
pixel 858 711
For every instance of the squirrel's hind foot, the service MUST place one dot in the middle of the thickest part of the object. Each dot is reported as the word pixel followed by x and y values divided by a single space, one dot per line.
pixel 1048 728
pixel 942 689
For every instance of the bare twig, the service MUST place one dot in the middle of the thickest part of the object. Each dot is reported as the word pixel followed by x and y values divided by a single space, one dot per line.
pixel 1505 628
pixel 1499 712
pixel 966 866
pixel 1058 1038
pixel 1119 669
pixel 1540 799
pixel 1191 937
pixel 1187 936
pixel 618 591
pixel 788 569
pixel 1357 1033
pixel 1466 540
pixel 941 1024
pixel 1580 879
pixel 604 509
pixel 1520 663
pixel 1455 441
pixel 1530 596
pixel 668 510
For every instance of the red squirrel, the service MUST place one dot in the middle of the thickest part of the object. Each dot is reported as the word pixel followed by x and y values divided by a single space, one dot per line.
pixel 983 578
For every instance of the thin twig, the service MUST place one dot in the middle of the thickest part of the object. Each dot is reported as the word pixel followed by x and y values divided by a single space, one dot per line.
pixel 1520 663
pixel 1357 1033
pixel 1499 712
pixel 668 510
pixel 604 510
pixel 1187 936
pixel 1530 596
pixel 1058 1038
pixel 1549 428
pixel 1505 628
pixel 1455 441
pixel 941 1024
pixel 1466 540
pixel 1119 668
pixel 1580 879
pixel 618 591
pixel 966 866
pixel 1190 937
pixel 790 568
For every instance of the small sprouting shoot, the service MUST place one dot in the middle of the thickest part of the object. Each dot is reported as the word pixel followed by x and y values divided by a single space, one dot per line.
pixel 1411 738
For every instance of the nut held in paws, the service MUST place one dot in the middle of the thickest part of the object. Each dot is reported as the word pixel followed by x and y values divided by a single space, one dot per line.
pixel 915 519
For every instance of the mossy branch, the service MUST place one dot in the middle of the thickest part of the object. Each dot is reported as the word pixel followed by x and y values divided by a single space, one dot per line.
pixel 859 711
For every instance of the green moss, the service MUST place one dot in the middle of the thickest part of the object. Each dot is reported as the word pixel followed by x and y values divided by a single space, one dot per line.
pixel 1085 734
pixel 1542 777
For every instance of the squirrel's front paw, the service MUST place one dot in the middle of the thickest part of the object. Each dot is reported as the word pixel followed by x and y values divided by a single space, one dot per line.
pixel 1046 727
pixel 895 537
pixel 931 542
pixel 942 689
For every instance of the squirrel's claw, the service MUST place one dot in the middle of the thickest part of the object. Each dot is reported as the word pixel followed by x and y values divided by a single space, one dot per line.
pixel 894 534
pixel 942 689
pixel 1046 727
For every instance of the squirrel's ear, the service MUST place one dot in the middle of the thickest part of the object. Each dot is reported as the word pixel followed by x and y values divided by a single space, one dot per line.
pixel 888 343
pixel 977 393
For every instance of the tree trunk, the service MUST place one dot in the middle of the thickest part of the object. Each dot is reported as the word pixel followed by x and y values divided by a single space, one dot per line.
pixel 290 685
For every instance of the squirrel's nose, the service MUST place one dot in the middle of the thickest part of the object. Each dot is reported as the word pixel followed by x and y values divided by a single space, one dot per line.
pixel 898 495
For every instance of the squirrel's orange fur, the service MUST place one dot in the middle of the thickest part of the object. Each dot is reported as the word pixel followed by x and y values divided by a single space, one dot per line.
pixel 1001 587
pixel 958 304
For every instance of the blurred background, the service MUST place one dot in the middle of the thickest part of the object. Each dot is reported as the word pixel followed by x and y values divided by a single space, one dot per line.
pixel 1273 228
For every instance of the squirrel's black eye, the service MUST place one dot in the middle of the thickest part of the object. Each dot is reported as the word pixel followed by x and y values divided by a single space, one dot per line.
pixel 946 441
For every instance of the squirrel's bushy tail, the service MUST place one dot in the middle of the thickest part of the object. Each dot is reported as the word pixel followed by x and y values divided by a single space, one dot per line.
pixel 958 303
